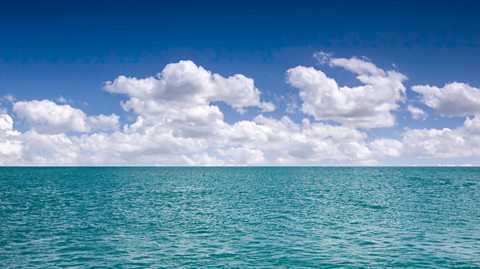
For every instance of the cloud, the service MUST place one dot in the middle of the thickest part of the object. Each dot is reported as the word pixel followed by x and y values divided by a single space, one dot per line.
pixel 285 142
pixel 184 85
pixel 6 123
pixel 386 147
pixel 10 147
pixel 322 57
pixel 178 122
pixel 463 141
pixel 46 116
pixel 416 113
pixel 453 99
pixel 262 141
pixel 103 122
pixel 361 67
pixel 367 106
pixel 63 100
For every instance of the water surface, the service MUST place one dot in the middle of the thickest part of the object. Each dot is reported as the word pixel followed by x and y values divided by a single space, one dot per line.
pixel 240 217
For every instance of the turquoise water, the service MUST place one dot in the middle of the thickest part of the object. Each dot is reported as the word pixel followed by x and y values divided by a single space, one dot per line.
pixel 240 217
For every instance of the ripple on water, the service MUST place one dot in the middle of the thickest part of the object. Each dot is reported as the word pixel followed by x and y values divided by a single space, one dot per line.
pixel 240 217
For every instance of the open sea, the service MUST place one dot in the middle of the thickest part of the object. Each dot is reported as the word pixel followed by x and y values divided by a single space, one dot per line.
pixel 267 217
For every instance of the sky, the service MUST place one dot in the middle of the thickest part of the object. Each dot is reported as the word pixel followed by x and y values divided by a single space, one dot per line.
pixel 239 83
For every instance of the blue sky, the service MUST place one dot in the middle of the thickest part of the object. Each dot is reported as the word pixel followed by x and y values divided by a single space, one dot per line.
pixel 57 49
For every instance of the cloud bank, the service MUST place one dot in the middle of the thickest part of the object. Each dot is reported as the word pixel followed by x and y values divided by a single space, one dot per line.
pixel 178 121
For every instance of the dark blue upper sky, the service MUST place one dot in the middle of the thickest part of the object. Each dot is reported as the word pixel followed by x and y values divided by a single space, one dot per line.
pixel 64 48
pixel 99 30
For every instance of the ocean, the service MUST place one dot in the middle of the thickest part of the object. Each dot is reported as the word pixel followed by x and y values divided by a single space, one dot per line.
pixel 240 217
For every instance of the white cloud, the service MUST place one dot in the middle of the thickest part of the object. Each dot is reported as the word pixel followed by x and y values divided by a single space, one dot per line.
pixel 285 142
pixel 263 141
pixel 48 117
pixel 184 85
pixel 454 99
pixel 6 124
pixel 103 122
pixel 361 67
pixel 463 141
pixel 322 57
pixel 386 147
pixel 471 126
pixel 416 113
pixel 63 100
pixel 368 106
pixel 10 147
pixel 178 123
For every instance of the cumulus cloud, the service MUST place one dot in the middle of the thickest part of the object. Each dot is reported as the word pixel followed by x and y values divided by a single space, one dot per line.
pixel 262 141
pixel 416 113
pixel 10 147
pixel 184 85
pixel 178 122
pixel 103 122
pixel 386 147
pixel 463 141
pixel 46 116
pixel 285 142
pixel 6 124
pixel 453 99
pixel 368 106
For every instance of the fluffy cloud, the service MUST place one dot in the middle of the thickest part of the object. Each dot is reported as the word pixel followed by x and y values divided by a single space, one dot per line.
pixel 285 142
pixel 463 141
pixel 178 123
pixel 10 147
pixel 454 99
pixel 416 113
pixel 368 106
pixel 262 141
pixel 48 117
pixel 386 147
pixel 186 85
pixel 6 125
pixel 103 122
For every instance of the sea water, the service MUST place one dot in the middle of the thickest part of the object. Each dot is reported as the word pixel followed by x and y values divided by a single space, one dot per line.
pixel 294 217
